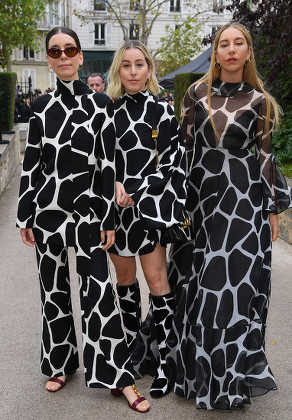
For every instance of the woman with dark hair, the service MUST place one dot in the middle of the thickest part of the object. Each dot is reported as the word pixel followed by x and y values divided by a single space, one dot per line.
pixel 222 277
pixel 67 199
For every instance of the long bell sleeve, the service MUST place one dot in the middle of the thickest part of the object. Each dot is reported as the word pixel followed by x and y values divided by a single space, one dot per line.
pixel 277 194
pixel 187 126
pixel 108 173
pixel 160 195
pixel 29 176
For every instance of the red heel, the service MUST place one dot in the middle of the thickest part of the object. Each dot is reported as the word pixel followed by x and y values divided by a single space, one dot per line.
pixel 117 392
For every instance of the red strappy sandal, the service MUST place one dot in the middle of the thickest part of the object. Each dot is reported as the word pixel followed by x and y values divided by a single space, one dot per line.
pixel 117 392
pixel 58 381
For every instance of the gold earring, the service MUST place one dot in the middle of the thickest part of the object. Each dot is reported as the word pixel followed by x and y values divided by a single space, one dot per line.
pixel 81 67
pixel 50 70
pixel 219 65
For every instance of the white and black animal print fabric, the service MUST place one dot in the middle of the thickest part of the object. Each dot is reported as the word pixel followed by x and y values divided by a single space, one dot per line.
pixel 105 353
pixel 67 197
pixel 222 278
pixel 159 192
pixel 66 190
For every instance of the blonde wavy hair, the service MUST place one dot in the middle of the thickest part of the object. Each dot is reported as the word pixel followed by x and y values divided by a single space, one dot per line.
pixel 115 86
pixel 250 75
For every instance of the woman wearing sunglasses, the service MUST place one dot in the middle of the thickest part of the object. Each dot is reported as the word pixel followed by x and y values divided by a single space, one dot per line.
pixel 67 199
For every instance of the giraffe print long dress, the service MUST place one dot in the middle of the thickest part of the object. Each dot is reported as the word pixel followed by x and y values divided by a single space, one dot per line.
pixel 222 278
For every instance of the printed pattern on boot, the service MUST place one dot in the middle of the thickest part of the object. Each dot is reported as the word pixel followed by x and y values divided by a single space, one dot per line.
pixel 130 304
pixel 163 307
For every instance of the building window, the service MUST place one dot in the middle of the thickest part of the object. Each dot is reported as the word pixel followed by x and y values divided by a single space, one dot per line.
pixel 135 4
pixel 54 13
pixel 175 6
pixel 215 29
pixel 99 5
pixel 99 34
pixel 134 31
pixel 28 54
pixel 217 5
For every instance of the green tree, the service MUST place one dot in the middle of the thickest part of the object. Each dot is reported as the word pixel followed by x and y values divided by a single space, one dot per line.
pixel 270 23
pixel 18 26
pixel 179 46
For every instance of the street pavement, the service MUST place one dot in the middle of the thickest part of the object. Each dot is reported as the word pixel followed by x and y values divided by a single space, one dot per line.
pixel 22 386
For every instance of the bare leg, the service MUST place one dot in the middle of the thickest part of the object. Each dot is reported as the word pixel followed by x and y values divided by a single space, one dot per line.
pixel 125 269
pixel 154 269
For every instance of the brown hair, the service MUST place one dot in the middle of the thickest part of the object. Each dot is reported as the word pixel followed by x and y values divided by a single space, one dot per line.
pixel 250 75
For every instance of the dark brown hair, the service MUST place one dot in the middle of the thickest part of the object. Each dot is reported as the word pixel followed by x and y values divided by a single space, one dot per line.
pixel 62 30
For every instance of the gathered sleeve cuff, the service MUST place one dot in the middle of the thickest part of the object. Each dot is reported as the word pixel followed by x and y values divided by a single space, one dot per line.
pixel 277 194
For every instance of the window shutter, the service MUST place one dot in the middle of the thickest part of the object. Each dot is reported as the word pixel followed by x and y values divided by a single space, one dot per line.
pixel 108 34
pixel 29 72
pixel 91 34
pixel 38 56
pixel 53 82
pixel 183 6
pixel 19 54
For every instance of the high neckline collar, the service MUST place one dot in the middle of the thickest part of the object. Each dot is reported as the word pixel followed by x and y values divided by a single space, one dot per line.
pixel 73 87
pixel 230 89
pixel 138 97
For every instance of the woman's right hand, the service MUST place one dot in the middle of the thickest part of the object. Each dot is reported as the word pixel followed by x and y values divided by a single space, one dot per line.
pixel 122 198
pixel 27 236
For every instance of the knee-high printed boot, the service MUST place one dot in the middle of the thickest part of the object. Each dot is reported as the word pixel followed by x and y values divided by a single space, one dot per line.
pixel 130 304
pixel 162 307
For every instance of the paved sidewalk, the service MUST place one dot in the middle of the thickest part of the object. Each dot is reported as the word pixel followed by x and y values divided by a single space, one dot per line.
pixel 22 386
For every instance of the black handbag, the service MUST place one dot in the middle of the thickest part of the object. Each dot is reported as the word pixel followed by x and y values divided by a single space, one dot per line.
pixel 180 232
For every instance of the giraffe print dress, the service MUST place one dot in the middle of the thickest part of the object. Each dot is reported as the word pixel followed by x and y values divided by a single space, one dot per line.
pixel 158 190
pixel 222 277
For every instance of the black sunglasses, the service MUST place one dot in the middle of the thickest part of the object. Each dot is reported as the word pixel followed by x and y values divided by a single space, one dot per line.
pixel 69 52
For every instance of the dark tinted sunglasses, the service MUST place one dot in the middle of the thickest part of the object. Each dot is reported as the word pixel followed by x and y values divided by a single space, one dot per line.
pixel 69 52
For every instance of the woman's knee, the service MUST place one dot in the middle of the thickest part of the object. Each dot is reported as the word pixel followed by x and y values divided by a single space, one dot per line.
pixel 125 269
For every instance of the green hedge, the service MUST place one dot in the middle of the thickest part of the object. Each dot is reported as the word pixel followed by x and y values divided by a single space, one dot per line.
pixel 282 145
pixel 182 82
pixel 7 100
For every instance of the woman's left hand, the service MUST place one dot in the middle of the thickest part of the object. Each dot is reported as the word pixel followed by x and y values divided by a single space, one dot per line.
pixel 107 237
pixel 274 222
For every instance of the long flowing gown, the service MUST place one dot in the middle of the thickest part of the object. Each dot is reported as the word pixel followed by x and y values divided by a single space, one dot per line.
pixel 222 277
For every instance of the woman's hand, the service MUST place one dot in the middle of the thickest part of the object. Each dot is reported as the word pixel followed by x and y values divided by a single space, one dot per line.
pixel 27 236
pixel 107 236
pixel 274 222
pixel 122 198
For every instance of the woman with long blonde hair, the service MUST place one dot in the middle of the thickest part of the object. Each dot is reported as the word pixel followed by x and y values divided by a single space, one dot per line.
pixel 222 277
pixel 150 196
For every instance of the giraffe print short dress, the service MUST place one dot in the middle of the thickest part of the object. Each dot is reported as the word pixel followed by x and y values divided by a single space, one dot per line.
pixel 158 190
pixel 222 278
